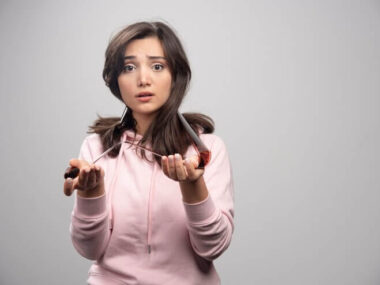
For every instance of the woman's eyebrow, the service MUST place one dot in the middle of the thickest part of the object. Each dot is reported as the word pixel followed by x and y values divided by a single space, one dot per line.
pixel 157 57
pixel 148 56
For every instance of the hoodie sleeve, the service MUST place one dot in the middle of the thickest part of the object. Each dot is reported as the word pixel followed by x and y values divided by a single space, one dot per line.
pixel 89 226
pixel 210 222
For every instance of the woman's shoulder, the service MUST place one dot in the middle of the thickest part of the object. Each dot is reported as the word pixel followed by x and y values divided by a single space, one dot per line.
pixel 212 141
pixel 91 147
pixel 93 140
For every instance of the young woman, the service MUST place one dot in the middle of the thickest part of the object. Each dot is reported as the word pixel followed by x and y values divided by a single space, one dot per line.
pixel 145 218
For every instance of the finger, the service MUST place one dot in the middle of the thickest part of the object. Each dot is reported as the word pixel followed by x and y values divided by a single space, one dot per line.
pixel 171 168
pixel 98 173
pixel 68 187
pixel 100 170
pixel 184 169
pixel 91 182
pixel 181 175
pixel 192 175
pixel 83 178
pixel 74 162
pixel 165 165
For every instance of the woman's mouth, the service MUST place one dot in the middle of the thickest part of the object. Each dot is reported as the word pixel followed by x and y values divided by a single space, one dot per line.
pixel 144 96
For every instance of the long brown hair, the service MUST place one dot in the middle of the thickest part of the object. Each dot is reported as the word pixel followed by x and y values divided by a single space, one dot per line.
pixel 166 134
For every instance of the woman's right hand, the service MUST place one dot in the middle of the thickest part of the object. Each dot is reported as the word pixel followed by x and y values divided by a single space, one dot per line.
pixel 89 182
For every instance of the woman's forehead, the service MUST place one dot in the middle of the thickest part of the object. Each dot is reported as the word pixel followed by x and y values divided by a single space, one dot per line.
pixel 150 46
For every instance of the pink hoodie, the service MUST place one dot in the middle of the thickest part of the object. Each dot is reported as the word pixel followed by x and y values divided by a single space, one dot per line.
pixel 141 232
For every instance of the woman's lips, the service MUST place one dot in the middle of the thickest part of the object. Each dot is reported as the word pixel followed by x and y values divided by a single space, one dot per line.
pixel 144 99
pixel 144 96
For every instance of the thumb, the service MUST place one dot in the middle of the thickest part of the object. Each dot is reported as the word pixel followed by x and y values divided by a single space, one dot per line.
pixel 194 160
pixel 78 163
pixel 68 187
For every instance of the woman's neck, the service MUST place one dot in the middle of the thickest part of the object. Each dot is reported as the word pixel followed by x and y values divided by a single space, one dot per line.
pixel 143 123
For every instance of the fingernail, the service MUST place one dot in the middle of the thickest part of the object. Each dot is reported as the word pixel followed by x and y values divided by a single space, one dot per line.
pixel 69 180
pixel 177 156
pixel 170 157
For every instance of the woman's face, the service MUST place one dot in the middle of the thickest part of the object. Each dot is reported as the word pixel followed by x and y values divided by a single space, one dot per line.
pixel 145 82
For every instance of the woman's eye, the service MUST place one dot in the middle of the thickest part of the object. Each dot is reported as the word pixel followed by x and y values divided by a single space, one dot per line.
pixel 128 68
pixel 157 67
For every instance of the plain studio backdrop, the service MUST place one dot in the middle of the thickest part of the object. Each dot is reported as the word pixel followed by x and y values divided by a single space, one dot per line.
pixel 293 87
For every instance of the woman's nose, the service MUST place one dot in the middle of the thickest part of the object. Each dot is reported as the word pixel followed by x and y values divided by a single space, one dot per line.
pixel 144 77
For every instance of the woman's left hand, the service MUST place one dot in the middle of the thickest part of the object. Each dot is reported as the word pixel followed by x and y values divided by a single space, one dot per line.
pixel 181 170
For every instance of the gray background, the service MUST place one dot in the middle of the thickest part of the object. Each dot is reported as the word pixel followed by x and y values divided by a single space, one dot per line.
pixel 293 87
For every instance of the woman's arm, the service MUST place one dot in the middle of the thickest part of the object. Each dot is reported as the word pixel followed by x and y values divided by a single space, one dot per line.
pixel 89 229
pixel 208 201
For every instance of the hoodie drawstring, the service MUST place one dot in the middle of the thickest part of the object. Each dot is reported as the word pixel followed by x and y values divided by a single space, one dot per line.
pixel 150 202
pixel 112 185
